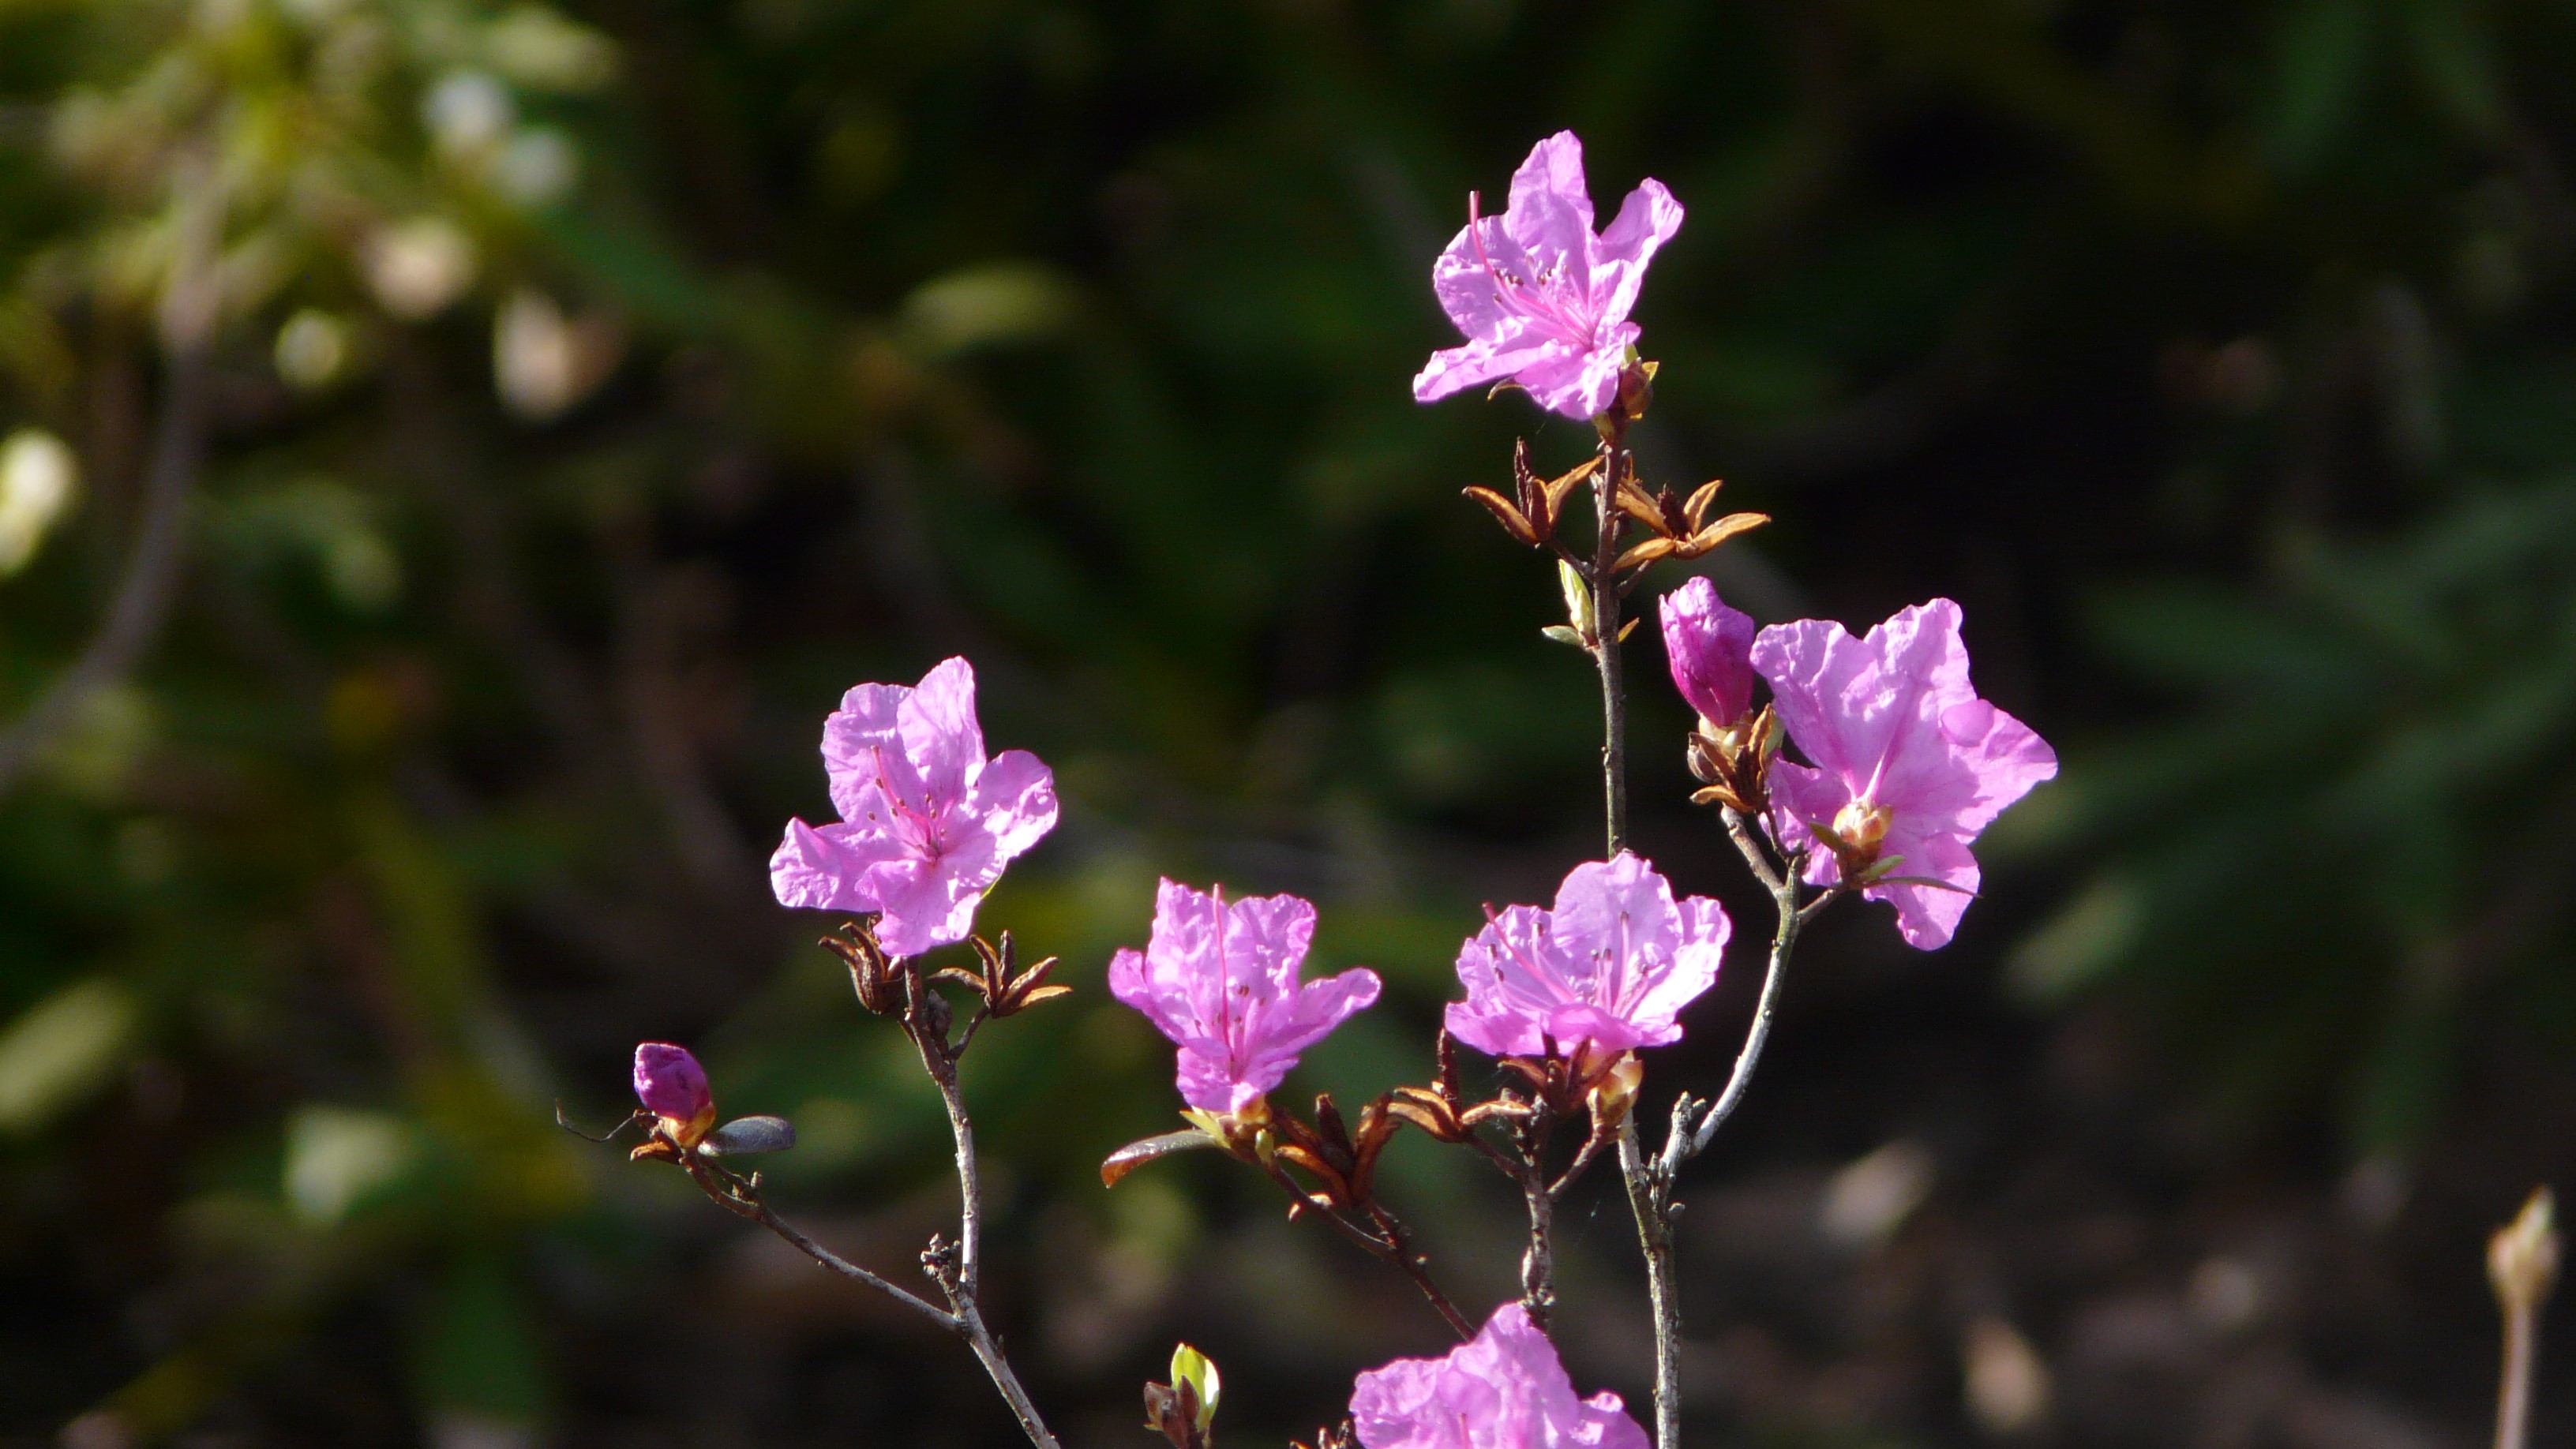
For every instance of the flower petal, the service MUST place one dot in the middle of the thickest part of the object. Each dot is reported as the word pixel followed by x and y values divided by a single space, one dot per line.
pixel 1551 208
pixel 940 733
pixel 1012 800
pixel 1646 220
pixel 828 869
pixel 862 749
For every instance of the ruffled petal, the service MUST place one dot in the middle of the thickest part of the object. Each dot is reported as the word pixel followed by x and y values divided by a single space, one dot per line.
pixel 1012 801
pixel 1646 220
pixel 1927 916
pixel 1579 383
pixel 827 869
pixel 862 748
pixel 1484 361
pixel 1467 284
pixel 1551 208
pixel 940 733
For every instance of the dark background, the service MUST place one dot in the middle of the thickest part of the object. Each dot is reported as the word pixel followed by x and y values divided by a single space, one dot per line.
pixel 2216 357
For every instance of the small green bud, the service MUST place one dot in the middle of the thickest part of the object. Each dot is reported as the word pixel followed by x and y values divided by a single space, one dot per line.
pixel 1191 1367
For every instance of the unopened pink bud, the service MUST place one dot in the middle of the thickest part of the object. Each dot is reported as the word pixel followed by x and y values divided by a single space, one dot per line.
pixel 1710 647
pixel 672 1086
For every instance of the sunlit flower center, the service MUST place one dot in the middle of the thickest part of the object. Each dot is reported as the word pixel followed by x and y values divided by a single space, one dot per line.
pixel 1862 825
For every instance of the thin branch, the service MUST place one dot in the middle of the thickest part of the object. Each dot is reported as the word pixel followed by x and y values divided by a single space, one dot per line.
pixel 959 1270
pixel 1606 600
pixel 2513 1405
pixel 761 1214
pixel 1784 938
pixel 1649 1199
pixel 1391 1241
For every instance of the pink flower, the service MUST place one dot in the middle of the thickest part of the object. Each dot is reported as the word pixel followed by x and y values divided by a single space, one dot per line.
pixel 1221 982
pixel 1502 1389
pixel 1710 647
pixel 1908 761
pixel 672 1086
pixel 1608 969
pixel 1542 300
pixel 927 823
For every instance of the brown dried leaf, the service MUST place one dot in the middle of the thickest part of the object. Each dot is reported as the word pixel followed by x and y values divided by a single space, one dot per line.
pixel 1638 504
pixel 1643 554
pixel 1136 1154
pixel 1505 514
pixel 1700 498
pixel 1724 529
pixel 1563 484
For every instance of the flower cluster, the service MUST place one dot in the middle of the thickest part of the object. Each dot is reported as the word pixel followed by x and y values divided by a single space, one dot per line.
pixel 1899 765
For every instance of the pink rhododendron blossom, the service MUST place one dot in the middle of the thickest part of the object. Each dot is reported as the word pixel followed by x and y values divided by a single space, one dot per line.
pixel 1710 647
pixel 1221 981
pixel 672 1086
pixel 927 822
pixel 1542 300
pixel 1502 1389
pixel 1608 969
pixel 1906 760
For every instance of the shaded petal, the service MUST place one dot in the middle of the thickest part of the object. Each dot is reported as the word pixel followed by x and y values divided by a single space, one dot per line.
pixel 1646 220
pixel 939 730
pixel 1551 208
pixel 1692 969
pixel 930 903
pixel 828 869
pixel 1800 795
pixel 1013 801
pixel 1616 910
pixel 1927 916
pixel 1485 361
pixel 2003 757
pixel 1577 383
pixel 1468 289
pixel 1515 977
pixel 862 748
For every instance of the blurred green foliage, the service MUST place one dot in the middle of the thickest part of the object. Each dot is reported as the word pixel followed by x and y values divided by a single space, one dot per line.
pixel 597 390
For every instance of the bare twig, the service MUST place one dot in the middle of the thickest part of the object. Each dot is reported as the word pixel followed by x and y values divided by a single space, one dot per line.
pixel 1606 600
pixel 958 1268
pixel 747 1202
pixel 1387 1237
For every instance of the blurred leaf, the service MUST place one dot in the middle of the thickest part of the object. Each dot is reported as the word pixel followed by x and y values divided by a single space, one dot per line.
pixel 62 1049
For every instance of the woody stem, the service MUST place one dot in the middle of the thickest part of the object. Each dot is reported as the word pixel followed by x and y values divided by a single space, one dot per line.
pixel 1603 577
pixel 960 1275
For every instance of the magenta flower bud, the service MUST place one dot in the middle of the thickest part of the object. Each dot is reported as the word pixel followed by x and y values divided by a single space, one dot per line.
pixel 1543 301
pixel 1710 648
pixel 1905 760
pixel 1503 1389
pixel 1609 968
pixel 927 822
pixel 1220 980
pixel 672 1086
